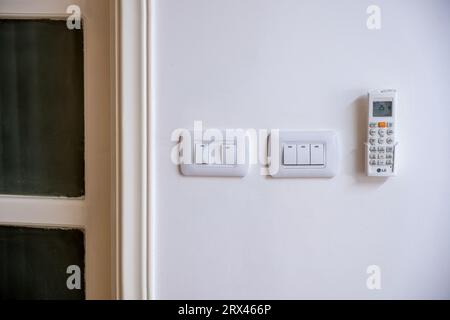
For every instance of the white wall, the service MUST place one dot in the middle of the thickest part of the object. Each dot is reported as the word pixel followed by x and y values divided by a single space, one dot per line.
pixel 294 64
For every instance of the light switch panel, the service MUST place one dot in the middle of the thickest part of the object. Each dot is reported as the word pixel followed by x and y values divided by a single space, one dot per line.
pixel 316 154
pixel 226 156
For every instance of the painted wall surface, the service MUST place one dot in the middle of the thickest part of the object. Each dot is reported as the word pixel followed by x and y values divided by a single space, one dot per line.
pixel 293 64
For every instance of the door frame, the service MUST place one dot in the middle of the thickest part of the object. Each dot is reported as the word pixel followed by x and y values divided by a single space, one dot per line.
pixel 134 150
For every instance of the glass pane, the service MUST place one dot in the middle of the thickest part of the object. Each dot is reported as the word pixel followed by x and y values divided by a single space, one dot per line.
pixel 41 264
pixel 41 109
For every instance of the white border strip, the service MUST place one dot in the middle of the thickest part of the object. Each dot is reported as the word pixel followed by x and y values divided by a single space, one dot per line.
pixel 133 149
pixel 151 228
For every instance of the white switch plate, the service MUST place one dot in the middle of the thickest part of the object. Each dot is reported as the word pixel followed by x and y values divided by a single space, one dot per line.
pixel 233 160
pixel 322 147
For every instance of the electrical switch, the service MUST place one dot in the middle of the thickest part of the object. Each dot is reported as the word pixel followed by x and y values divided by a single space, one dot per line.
pixel 201 153
pixel 230 154
pixel 317 154
pixel 215 153
pixel 303 154
pixel 290 154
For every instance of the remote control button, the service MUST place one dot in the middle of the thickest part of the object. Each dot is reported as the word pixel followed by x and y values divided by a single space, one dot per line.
pixel 381 162
pixel 381 149
pixel 372 141
pixel 373 149
pixel 372 132
pixel 381 132
pixel 390 124
pixel 389 162
pixel 372 124
pixel 382 124
pixel 389 141
pixel 389 149
pixel 381 141
pixel 390 132
pixel 373 156
pixel 373 162
pixel 381 156
pixel 389 156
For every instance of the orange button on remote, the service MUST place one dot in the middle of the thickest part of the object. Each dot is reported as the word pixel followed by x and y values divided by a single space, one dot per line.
pixel 382 125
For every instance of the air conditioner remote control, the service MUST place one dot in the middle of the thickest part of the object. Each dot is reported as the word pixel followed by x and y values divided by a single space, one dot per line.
pixel 381 134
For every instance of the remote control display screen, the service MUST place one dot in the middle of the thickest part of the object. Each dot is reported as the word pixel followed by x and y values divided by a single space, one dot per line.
pixel 382 109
